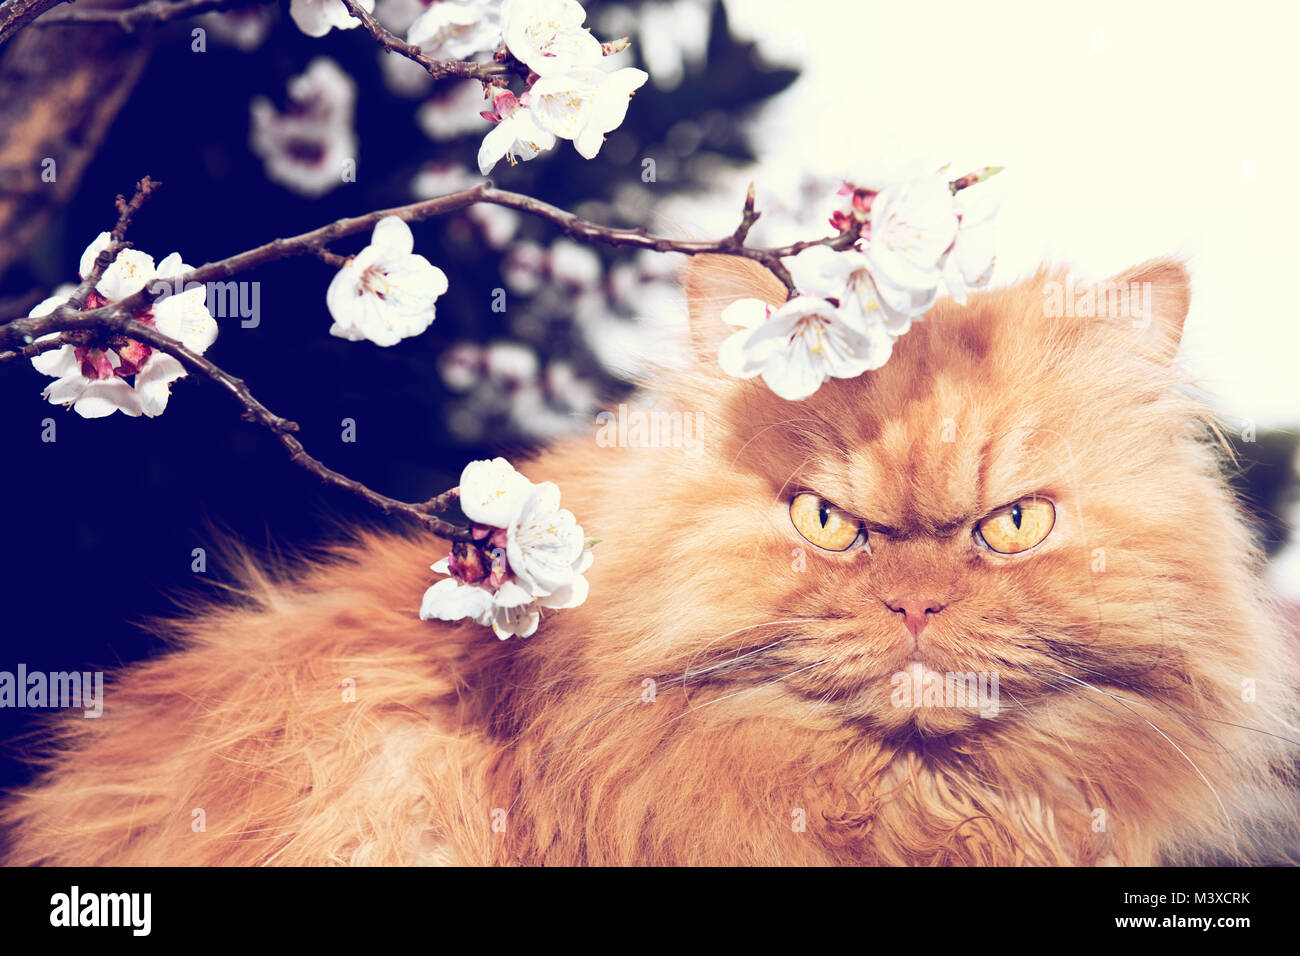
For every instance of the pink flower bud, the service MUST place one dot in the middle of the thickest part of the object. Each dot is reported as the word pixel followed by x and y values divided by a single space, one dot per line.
pixel 467 563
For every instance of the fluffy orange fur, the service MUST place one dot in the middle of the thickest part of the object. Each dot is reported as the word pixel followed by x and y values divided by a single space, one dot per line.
pixel 1124 645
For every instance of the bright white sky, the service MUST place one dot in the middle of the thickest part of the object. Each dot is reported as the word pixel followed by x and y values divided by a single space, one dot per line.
pixel 1129 131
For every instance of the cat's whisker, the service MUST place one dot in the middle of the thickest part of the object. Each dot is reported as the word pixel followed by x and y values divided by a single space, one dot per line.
pixel 1131 716
pixel 741 630
pixel 780 492
pixel 1070 662
pixel 1165 705
pixel 771 425
pixel 1017 700
pixel 1222 808
pixel 1067 689
pixel 717 700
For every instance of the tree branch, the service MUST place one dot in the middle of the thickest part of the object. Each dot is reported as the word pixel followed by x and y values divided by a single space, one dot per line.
pixel 37 348
pixel 154 11
pixel 438 69
pixel 21 331
pixel 74 327
pixel 116 241
pixel 254 411
pixel 16 14
pixel 21 336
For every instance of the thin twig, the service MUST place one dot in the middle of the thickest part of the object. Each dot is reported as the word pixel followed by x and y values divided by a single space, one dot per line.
pixel 16 14
pixel 126 211
pixel 284 429
pixel 747 217
pixel 20 331
pixel 36 348
pixel 438 69
pixel 330 258
pixel 74 327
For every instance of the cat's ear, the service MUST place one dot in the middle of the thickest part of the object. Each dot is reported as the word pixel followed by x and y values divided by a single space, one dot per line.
pixel 1155 296
pixel 713 283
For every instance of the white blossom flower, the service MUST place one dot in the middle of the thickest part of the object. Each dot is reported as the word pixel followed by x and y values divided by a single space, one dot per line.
pixel 800 345
pixel 129 272
pixel 510 610
pixel 386 292
pixel 245 28
pixel 512 364
pixel 524 269
pixel 844 277
pixel 919 237
pixel 307 148
pixel 516 136
pixel 461 366
pixel 583 105
pixel 532 556
pixel 404 76
pixel 548 35
pixel 323 93
pixel 913 227
pixel 491 492
pixel 970 263
pixel 93 379
pixel 576 265
pixel 546 547
pixel 317 17
pixel 439 179
pixel 456 113
pixel 456 29
pixel 497 224
pixel 182 314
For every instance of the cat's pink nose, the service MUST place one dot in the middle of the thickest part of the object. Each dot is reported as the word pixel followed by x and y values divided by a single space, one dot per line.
pixel 916 611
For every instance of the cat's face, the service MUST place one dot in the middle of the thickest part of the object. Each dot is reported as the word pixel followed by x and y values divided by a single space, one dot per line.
pixel 1012 499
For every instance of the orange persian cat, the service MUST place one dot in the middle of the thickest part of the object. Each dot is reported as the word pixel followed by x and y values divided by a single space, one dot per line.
pixel 764 671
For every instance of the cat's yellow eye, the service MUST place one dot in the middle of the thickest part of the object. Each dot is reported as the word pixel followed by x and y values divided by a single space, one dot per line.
pixel 1017 527
pixel 823 524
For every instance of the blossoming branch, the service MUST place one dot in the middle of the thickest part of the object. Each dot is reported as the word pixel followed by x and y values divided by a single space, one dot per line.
pixel 122 322
pixel 131 327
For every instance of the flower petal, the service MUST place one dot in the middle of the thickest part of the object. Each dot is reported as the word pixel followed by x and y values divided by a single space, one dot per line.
pixel 130 272
pixel 98 245
pixel 105 397
pixel 570 595
pixel 57 362
pixel 491 492
pixel 393 236
pixel 450 600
